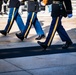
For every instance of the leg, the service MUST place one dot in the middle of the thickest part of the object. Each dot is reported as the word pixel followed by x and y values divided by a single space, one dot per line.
pixel 38 28
pixel 51 33
pixel 5 12
pixel 19 21
pixel 63 35
pixel 11 18
pixel 27 27
pixel 10 21
pixel 1 9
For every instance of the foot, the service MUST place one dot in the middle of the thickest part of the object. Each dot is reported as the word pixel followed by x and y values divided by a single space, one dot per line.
pixel 42 44
pixel 3 32
pixel 5 13
pixel 20 36
pixel 40 37
pixel 1 13
pixel 66 45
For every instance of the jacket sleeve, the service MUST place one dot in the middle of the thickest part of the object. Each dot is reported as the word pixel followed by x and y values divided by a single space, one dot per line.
pixel 68 6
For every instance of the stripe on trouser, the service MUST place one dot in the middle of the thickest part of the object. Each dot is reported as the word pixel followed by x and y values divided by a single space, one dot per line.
pixel 53 33
pixel 29 25
pixel 11 20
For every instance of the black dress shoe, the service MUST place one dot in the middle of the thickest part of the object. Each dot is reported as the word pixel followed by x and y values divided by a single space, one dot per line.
pixel 42 44
pixel 5 13
pixel 3 32
pixel 20 36
pixel 40 37
pixel 1 13
pixel 66 45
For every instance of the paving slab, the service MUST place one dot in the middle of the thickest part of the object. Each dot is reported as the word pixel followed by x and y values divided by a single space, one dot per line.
pixel 16 73
pixel 53 64
pixel 61 70
pixel 7 67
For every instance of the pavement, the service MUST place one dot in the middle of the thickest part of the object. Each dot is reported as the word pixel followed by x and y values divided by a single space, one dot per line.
pixel 46 64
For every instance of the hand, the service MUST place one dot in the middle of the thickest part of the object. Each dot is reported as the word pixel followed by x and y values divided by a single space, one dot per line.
pixel 70 15
pixel 42 3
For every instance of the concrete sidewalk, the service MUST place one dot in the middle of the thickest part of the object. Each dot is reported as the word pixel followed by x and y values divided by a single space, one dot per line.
pixel 53 64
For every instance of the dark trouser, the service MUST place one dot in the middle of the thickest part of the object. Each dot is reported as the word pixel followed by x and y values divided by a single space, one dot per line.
pixel 5 9
pixel 32 19
pixel 14 15
pixel 56 25
pixel 0 7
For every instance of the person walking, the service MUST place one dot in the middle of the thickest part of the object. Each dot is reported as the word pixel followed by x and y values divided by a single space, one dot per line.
pixel 1 2
pixel 13 16
pixel 33 8
pixel 60 8
pixel 5 7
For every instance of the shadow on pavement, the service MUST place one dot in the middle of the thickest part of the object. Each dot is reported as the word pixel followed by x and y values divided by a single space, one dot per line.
pixel 33 51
